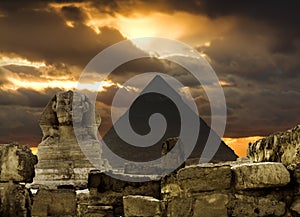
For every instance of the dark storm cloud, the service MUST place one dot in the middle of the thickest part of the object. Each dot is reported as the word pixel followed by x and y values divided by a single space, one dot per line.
pixel 73 13
pixel 259 55
pixel 44 36
pixel 19 124
pixel 20 113
pixel 27 97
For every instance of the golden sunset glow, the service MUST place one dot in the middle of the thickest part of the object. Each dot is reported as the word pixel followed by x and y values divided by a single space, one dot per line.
pixel 46 45
pixel 240 145
pixel 66 85
pixel 34 150
pixel 39 85
pixel 19 61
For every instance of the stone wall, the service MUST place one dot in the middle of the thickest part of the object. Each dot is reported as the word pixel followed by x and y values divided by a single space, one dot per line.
pixel 237 188
pixel 267 185
pixel 16 168
pixel 228 189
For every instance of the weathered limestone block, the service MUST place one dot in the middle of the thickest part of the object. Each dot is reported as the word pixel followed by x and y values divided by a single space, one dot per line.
pixel 99 211
pixel 211 205
pixel 204 177
pixel 142 206
pixel 180 207
pixel 16 163
pixel 170 187
pixel 108 191
pixel 135 169
pixel 296 173
pixel 14 200
pixel 281 147
pixel 105 183
pixel 260 175
pixel 59 202
pixel 82 200
pixel 296 206
pixel 250 206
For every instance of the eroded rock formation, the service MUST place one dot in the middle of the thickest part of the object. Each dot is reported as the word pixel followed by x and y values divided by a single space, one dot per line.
pixel 16 168
pixel 281 147
pixel 61 159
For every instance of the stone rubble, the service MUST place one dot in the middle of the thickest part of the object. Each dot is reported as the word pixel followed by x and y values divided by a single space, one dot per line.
pixel 281 147
pixel 16 168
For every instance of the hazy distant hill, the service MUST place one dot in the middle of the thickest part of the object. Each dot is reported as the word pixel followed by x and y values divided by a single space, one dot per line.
pixel 142 108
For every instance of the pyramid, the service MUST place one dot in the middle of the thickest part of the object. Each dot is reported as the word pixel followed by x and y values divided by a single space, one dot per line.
pixel 141 109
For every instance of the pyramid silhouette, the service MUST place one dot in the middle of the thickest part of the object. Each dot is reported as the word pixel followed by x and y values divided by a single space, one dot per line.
pixel 149 103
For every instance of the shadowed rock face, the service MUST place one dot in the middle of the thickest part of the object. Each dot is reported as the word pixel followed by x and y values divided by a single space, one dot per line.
pixel 61 160
pixel 16 163
pixel 16 168
pixel 281 147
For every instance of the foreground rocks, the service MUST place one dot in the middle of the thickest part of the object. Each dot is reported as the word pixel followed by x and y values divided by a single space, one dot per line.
pixel 16 168
pixel 260 175
pixel 17 163
pixel 281 147
pixel 228 189
pixel 108 192
pixel 60 202
pixel 15 200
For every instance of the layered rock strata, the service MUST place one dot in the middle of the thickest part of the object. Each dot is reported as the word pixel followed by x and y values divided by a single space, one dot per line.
pixel 61 158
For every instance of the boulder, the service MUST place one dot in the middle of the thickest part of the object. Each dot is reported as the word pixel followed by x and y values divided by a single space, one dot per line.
pixel 142 206
pixel 211 205
pixel 16 163
pixel 59 202
pixel 180 207
pixel 281 147
pixel 260 175
pixel 204 177
pixel 296 206
pixel 250 206
pixel 15 200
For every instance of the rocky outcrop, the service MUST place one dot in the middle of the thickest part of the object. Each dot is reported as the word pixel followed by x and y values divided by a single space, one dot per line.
pixel 16 168
pixel 15 200
pixel 16 163
pixel 61 159
pixel 281 147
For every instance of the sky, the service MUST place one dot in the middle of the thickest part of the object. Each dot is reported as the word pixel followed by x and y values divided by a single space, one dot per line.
pixel 253 46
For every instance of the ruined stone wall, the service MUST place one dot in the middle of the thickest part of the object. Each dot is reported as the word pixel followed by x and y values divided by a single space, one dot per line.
pixel 229 189
pixel 237 188
pixel 281 147
pixel 16 168
pixel 234 189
